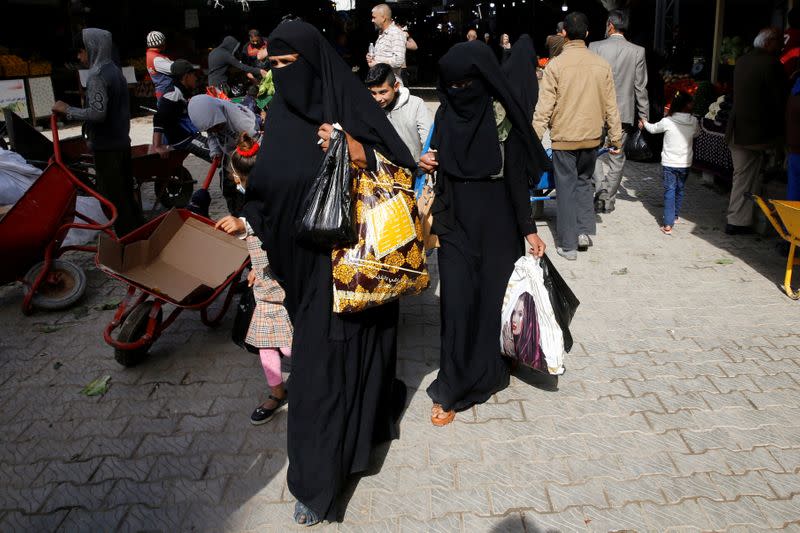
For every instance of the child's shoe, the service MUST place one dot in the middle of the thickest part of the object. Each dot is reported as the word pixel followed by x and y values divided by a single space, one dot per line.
pixel 263 415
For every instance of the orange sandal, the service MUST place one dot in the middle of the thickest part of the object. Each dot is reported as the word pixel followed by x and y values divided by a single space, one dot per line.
pixel 437 420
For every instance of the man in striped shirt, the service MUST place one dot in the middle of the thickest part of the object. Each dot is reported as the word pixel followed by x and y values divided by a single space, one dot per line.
pixel 390 46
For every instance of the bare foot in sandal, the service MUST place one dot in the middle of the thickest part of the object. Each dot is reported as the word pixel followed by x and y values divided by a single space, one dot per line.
pixel 440 417
pixel 666 230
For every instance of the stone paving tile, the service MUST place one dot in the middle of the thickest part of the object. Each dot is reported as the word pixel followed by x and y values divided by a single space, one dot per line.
pixel 18 521
pixel 678 412
pixel 85 520
pixel 742 512
pixel 780 513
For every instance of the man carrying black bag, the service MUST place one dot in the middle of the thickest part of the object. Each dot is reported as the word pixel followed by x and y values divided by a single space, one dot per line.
pixel 628 65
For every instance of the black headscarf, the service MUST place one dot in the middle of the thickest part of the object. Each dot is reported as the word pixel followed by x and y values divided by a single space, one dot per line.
pixel 466 132
pixel 321 87
pixel 520 69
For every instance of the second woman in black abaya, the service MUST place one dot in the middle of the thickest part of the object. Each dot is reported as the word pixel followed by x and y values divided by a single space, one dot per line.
pixel 342 382
pixel 481 215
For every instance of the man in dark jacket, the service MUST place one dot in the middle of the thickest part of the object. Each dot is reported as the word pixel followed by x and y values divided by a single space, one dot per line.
pixel 107 119
pixel 222 57
pixel 756 124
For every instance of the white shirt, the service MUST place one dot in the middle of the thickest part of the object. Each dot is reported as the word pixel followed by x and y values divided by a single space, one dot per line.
pixel 679 131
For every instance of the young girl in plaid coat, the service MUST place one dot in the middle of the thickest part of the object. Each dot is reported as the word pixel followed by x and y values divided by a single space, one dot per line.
pixel 270 328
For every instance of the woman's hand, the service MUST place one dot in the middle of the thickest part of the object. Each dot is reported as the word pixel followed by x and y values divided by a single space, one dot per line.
pixel 251 278
pixel 231 225
pixel 537 245
pixel 428 162
pixel 324 134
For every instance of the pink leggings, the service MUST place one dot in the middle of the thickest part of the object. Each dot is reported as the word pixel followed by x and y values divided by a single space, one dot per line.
pixel 271 361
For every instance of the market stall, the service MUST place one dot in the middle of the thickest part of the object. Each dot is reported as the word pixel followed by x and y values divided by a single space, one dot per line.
pixel 25 86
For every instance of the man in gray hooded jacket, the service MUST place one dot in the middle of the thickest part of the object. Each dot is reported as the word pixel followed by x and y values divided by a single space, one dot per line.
pixel 107 119
pixel 221 58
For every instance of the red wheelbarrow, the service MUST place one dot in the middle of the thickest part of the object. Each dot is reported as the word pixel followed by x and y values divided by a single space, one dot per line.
pixel 140 316
pixel 32 232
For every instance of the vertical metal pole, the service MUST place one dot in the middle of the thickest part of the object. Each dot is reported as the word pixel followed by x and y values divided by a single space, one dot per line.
pixel 719 18
pixel 658 33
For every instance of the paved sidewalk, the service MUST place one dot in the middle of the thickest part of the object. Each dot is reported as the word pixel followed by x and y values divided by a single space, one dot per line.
pixel 679 408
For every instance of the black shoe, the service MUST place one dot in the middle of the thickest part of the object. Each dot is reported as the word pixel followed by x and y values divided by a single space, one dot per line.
pixel 609 209
pixel 731 229
pixel 599 205
pixel 262 415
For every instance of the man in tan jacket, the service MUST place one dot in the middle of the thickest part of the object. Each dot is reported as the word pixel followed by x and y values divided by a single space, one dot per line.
pixel 576 100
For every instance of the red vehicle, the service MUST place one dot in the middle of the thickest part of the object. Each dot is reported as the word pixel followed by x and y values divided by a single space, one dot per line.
pixel 32 232
pixel 172 181
pixel 140 316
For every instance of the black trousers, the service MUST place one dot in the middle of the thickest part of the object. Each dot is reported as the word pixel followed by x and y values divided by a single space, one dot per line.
pixel 573 171
pixel 114 178
pixel 197 145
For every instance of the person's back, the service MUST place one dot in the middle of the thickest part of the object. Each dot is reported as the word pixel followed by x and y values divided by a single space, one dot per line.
pixel 576 87
pixel 758 98
pixel 679 131
pixel 630 75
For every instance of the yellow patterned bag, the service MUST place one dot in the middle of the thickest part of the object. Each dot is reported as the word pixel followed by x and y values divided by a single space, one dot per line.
pixel 389 259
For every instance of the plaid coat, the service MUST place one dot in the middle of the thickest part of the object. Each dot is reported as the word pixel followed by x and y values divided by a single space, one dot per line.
pixel 270 326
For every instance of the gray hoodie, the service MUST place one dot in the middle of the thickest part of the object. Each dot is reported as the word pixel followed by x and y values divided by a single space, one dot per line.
pixel 107 113
pixel 207 112
pixel 221 57
pixel 412 121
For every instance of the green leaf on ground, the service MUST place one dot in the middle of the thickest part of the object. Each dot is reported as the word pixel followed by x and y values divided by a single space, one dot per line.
pixel 57 365
pixel 97 387
pixel 80 312
pixel 108 306
pixel 724 261
pixel 48 328
pixel 620 272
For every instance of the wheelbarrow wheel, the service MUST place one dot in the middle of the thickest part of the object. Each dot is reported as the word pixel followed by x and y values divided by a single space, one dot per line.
pixel 132 329
pixel 64 284
pixel 176 190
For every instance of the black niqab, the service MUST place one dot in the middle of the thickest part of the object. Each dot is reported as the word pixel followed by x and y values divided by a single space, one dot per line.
pixel 466 132
pixel 322 72
pixel 520 69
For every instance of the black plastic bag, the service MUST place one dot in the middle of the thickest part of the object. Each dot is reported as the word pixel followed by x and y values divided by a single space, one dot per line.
pixel 636 147
pixel 328 219
pixel 564 301
pixel 241 322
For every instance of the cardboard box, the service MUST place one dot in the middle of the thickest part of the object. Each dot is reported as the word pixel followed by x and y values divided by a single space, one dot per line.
pixel 177 259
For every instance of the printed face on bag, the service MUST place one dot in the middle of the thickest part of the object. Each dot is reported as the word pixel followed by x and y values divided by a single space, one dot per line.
pixel 517 318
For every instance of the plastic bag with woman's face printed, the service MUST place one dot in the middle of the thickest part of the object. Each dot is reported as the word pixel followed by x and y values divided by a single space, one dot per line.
pixel 529 330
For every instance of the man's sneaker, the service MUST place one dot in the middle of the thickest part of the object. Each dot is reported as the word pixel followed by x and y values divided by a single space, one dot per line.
pixel 584 242
pixel 569 255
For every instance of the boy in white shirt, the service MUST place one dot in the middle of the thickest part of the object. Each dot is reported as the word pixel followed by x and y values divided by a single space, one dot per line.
pixel 679 129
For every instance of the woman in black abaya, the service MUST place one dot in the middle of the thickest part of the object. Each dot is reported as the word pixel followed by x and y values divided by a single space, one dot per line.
pixel 343 388
pixel 520 69
pixel 481 215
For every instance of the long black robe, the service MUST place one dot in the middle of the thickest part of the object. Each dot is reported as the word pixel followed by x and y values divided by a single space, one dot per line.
pixel 520 69
pixel 480 220
pixel 343 366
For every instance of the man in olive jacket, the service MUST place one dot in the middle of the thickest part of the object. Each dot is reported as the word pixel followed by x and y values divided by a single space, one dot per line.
pixel 576 100
pixel 756 124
